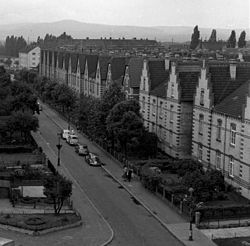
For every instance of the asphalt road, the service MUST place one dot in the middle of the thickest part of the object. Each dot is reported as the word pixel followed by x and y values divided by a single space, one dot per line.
pixel 131 223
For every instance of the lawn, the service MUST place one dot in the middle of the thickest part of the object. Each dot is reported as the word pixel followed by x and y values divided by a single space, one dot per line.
pixel 232 241
pixel 38 222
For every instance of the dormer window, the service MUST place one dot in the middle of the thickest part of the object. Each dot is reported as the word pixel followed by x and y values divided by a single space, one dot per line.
pixel 202 97
pixel 172 90
pixel 201 120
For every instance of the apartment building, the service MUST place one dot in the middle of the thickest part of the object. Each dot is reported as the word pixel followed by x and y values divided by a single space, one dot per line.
pixel 221 118
pixel 30 57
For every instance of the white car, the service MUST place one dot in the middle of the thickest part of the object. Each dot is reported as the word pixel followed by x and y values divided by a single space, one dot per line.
pixel 93 160
pixel 65 133
pixel 72 139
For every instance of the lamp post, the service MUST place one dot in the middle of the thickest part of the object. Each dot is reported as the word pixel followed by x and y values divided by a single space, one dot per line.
pixel 59 146
pixel 191 190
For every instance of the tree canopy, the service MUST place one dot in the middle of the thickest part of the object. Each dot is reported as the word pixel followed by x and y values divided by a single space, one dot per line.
pixel 213 36
pixel 231 42
pixel 195 38
pixel 242 40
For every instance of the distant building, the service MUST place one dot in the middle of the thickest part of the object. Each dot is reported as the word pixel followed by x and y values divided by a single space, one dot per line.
pixel 30 57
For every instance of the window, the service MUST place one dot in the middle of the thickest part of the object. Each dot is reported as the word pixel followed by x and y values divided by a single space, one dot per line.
pixel 144 84
pixel 143 104
pixel 240 171
pixel 219 125
pixel 199 152
pixel 232 133
pixel 171 113
pixel 33 53
pixel 172 89
pixel 201 120
pixel 231 167
pixel 154 106
pixel 218 159
pixel 202 97
pixel 161 109
pixel 170 138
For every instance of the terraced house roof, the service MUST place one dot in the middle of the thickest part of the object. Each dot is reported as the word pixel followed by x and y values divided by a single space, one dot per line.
pixel 160 90
pixel 188 83
pixel 73 59
pixel 118 65
pixel 234 104
pixel 157 73
pixel 103 63
pixel 222 83
pixel 135 71
pixel 82 61
pixel 92 65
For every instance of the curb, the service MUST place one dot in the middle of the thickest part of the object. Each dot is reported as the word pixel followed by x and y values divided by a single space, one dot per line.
pixel 42 232
pixel 142 203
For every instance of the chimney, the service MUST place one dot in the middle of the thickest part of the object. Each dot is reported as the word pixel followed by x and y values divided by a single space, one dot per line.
pixel 233 70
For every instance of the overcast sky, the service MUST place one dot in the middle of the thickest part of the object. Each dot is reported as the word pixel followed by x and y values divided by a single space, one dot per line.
pixel 205 13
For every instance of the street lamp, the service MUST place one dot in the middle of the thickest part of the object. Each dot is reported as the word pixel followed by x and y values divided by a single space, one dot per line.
pixel 59 146
pixel 191 190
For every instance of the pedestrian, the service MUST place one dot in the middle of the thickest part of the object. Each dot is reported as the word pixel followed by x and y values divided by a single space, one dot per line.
pixel 125 172
pixel 129 174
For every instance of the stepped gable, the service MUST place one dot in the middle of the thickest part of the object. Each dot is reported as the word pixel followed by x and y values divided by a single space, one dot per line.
pixel 135 71
pixel 82 62
pixel 74 59
pixel 234 104
pixel 92 65
pixel 188 83
pixel 118 67
pixel 222 84
pixel 160 90
pixel 66 60
pixel 157 73
pixel 103 63
pixel 60 59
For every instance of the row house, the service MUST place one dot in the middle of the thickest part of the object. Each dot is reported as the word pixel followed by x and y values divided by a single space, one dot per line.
pixel 132 78
pixel 102 71
pixel 154 76
pixel 72 71
pixel 221 122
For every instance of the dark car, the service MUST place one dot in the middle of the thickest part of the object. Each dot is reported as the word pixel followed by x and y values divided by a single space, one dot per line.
pixel 81 149
pixel 93 160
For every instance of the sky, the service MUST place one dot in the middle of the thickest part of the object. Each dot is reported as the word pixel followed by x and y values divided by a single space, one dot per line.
pixel 205 13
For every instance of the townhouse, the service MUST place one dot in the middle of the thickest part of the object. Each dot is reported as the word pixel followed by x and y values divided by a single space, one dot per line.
pixel 132 78
pixel 221 118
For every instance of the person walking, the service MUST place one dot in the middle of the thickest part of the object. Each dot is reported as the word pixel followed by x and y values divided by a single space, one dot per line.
pixel 129 174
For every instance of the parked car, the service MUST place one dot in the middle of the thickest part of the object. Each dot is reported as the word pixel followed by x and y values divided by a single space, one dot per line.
pixel 82 149
pixel 93 160
pixel 66 132
pixel 72 139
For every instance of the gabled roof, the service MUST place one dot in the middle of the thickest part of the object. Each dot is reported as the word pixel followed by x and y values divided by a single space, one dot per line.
pixel 157 73
pixel 28 48
pixel 103 63
pixel 118 67
pixel 60 59
pixel 73 59
pixel 188 83
pixel 234 104
pixel 135 71
pixel 82 61
pixel 55 58
pixel 160 90
pixel 222 84
pixel 66 60
pixel 92 65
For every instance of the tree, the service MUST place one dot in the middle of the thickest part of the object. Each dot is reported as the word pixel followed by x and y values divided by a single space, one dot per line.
pixel 23 123
pixel 195 38
pixel 242 41
pixel 124 123
pixel 231 42
pixel 57 188
pixel 213 36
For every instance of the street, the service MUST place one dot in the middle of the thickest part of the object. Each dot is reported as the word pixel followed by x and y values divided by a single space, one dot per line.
pixel 131 223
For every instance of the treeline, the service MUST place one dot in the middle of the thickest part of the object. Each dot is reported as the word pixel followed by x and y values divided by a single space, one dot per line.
pixel 18 105
pixel 13 45
pixel 111 120
pixel 230 43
